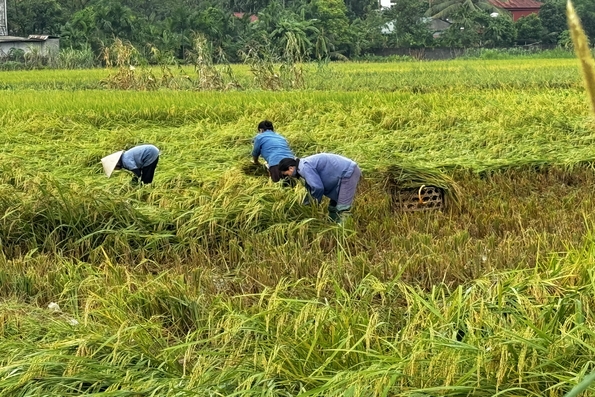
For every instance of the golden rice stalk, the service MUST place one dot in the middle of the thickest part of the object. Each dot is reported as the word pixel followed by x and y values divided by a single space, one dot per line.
pixel 581 47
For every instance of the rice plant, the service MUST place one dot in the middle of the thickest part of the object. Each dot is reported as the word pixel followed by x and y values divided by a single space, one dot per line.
pixel 215 281
pixel 583 52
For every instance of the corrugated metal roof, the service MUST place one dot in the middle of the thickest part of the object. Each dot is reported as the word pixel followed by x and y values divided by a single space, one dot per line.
pixel 4 39
pixel 42 36
pixel 32 38
pixel 516 4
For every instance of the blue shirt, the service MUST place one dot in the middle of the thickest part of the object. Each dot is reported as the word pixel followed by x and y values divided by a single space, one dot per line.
pixel 323 173
pixel 272 147
pixel 139 157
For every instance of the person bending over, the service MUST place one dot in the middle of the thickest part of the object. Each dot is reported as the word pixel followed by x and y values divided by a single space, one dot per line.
pixel 140 160
pixel 272 147
pixel 326 174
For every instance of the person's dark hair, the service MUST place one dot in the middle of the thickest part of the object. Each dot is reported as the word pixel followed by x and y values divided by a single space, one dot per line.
pixel 266 125
pixel 286 163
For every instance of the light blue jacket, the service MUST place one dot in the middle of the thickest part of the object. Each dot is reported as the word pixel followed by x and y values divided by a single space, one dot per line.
pixel 323 173
pixel 139 157
pixel 272 147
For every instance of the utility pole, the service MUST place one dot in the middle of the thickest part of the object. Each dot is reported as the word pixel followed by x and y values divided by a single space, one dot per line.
pixel 3 20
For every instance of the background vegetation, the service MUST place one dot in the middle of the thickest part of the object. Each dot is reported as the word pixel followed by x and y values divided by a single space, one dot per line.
pixel 212 281
pixel 321 28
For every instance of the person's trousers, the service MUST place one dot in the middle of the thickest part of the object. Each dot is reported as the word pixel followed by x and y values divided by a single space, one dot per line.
pixel 145 174
pixel 347 189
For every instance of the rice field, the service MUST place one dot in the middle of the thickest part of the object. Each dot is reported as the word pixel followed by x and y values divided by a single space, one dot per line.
pixel 215 282
pixel 416 77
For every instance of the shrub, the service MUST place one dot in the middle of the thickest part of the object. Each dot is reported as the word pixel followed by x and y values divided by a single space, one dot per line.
pixel 71 58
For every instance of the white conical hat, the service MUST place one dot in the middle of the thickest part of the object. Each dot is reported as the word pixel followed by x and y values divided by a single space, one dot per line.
pixel 109 162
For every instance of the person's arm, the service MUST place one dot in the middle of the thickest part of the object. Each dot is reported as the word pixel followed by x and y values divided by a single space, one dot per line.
pixel 313 182
pixel 256 150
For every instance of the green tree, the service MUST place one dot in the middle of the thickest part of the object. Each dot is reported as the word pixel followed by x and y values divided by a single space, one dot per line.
pixel 215 24
pixel 479 29
pixel 530 29
pixel 586 11
pixel 72 6
pixel 180 25
pixel 453 9
pixel 367 33
pixel 114 19
pixel 410 28
pixel 464 33
pixel 80 30
pixel 295 37
pixel 361 8
pixel 34 17
pixel 497 31
pixel 331 17
pixel 553 16
pixel 268 17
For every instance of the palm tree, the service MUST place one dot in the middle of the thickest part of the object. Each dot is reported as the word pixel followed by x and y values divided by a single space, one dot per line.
pixel 294 37
pixel 443 9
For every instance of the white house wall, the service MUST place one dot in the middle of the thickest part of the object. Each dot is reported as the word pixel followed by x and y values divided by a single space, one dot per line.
pixel 383 3
pixel 3 20
pixel 25 46
pixel 51 46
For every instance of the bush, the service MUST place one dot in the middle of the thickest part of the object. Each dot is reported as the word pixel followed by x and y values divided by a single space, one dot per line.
pixel 530 29
pixel 517 52
pixel 77 59
pixel 12 65
pixel 16 55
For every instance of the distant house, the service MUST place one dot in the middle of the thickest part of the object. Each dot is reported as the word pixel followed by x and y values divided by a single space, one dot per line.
pixel 518 8
pixel 385 4
pixel 436 26
pixel 3 22
pixel 45 45
pixel 253 18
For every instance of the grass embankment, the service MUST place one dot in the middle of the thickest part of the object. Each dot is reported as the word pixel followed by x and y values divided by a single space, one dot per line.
pixel 212 282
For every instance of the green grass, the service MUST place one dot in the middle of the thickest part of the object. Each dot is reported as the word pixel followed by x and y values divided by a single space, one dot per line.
pixel 214 282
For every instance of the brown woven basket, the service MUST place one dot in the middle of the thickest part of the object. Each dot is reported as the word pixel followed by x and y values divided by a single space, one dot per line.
pixel 421 198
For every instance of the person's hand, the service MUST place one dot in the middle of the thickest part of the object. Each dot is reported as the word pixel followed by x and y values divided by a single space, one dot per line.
pixel 256 162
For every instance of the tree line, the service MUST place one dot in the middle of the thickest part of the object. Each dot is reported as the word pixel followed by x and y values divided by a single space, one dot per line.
pixel 319 28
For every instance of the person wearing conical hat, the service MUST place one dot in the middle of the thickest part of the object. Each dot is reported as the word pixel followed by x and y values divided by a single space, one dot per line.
pixel 140 160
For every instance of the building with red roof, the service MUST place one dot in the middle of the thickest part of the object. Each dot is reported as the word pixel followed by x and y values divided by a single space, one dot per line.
pixel 253 18
pixel 518 8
